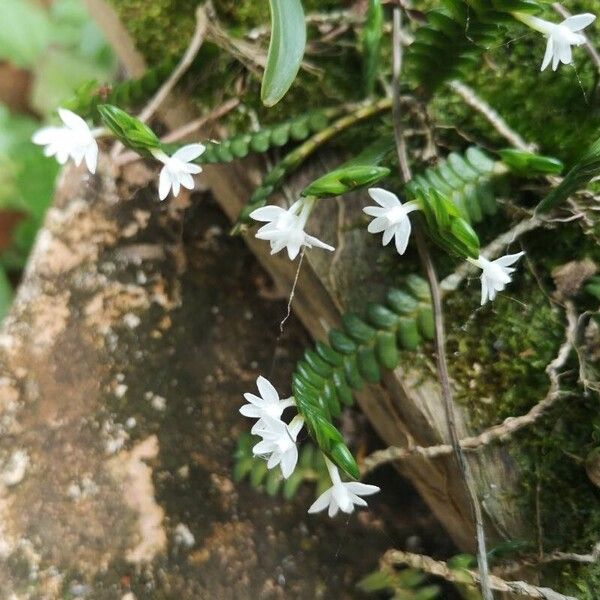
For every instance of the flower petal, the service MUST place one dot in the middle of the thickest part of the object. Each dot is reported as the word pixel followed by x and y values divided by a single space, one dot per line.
pixel 267 213
pixel 266 389
pixel 548 54
pixel 189 152
pixel 384 198
pixel 361 489
pixel 579 22
pixel 72 121
pixel 321 503
pixel 164 183
pixel 316 243
pixel 251 411
pixel 509 259
pixel 375 211
pixel 91 157
pixel 288 461
pixel 378 225
pixel 402 236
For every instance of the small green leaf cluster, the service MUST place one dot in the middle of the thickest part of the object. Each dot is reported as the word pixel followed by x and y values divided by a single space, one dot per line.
pixel 310 469
pixel 457 34
pixel 407 584
pixel 131 132
pixel 464 179
pixel 325 378
pixel 125 94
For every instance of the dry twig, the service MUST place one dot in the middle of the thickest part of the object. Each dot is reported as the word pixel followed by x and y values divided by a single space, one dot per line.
pixel 497 432
pixel 441 569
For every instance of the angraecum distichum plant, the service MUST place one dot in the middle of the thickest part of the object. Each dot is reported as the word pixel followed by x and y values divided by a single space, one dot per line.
pixel 470 131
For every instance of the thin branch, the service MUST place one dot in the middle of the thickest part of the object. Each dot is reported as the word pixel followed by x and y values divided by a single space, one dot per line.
pixel 184 64
pixel 441 569
pixel 436 296
pixel 497 432
pixel 497 122
pixel 591 50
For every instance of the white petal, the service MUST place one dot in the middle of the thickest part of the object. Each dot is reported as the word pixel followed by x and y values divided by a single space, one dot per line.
pixel 548 54
pixel 295 427
pixel 375 211
pixel 357 500
pixel 263 447
pixel 164 183
pixel 266 389
pixel 191 168
pixel 316 243
pixel 288 461
pixel 555 57
pixel 72 121
pixel 273 461
pixel 579 22
pixel 388 234
pixel 378 225
pixel 384 198
pixel 293 248
pixel 402 236
pixel 189 152
pixel 484 291
pixel 251 411
pixel 333 507
pixel 91 157
pixel 267 213
pixel 509 259
pixel 187 181
pixel 361 489
pixel 256 400
pixel 46 135
pixel 566 54
pixel 321 503
pixel 175 185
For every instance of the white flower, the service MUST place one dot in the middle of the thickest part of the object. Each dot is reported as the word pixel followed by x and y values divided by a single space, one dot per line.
pixel 285 228
pixel 560 36
pixel 391 217
pixel 178 169
pixel 266 406
pixel 279 443
pixel 341 495
pixel 495 275
pixel 74 140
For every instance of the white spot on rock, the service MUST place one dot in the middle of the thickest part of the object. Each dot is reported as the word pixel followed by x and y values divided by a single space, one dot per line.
pixel 183 536
pixel 14 469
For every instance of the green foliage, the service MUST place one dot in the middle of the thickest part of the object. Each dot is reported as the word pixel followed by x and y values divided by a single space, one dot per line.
pixel 125 94
pixel 311 468
pixel 61 48
pixel 464 179
pixel 344 180
pixel 371 36
pixel 407 584
pixel 446 226
pixel 530 164
pixel 454 37
pixel 26 183
pixel 360 171
pixel 584 170
pixel 286 49
pixel 325 378
pixel 291 161
pixel 131 132
pixel 239 146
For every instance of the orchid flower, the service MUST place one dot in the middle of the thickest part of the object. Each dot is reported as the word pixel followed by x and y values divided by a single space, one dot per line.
pixel 266 406
pixel 178 169
pixel 495 274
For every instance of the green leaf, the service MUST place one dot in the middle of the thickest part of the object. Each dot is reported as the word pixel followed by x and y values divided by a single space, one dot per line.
pixel 25 32
pixel 130 131
pixel 286 49
pixel 371 45
pixel 345 180
pixel 586 168
pixel 529 163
